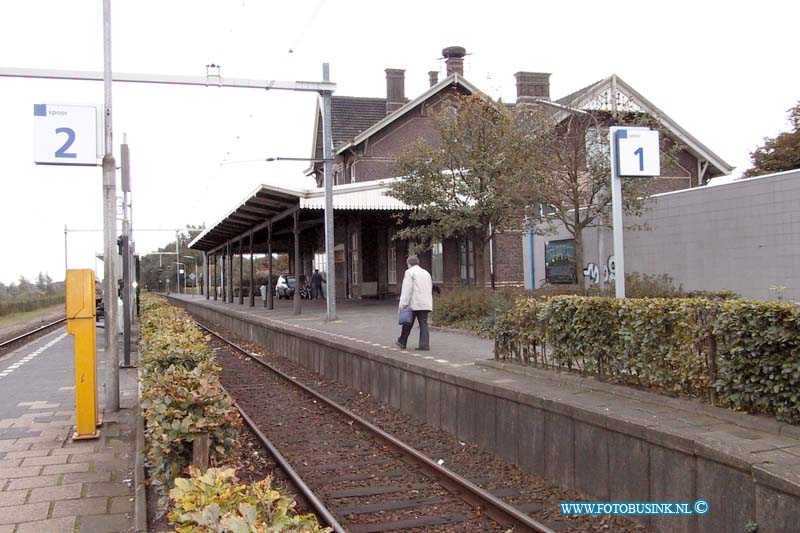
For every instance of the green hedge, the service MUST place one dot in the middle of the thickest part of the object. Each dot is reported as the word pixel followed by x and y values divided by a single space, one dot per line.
pixel 734 353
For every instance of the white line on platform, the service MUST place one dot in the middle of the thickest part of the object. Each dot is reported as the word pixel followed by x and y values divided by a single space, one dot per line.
pixel 38 351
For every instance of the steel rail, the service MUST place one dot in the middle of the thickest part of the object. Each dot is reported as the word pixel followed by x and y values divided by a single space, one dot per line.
pixel 511 514
pixel 18 338
pixel 322 511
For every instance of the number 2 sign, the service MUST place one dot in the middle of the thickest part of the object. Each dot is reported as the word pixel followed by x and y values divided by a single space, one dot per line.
pixel 637 152
pixel 65 134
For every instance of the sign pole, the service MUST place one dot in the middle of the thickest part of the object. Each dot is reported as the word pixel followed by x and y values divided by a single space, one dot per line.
pixel 109 230
pixel 327 148
pixel 634 153
pixel 616 214
pixel 126 255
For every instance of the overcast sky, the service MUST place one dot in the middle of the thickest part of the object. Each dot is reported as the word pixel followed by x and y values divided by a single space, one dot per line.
pixel 725 71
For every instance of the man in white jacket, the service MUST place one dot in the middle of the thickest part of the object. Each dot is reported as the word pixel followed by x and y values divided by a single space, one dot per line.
pixel 417 294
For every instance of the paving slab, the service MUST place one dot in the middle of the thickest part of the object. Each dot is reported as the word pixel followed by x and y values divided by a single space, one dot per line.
pixel 56 493
pixel 55 525
pixel 48 482
pixel 24 513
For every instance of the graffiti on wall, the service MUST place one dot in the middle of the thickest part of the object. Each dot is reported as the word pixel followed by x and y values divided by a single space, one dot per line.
pixel 592 271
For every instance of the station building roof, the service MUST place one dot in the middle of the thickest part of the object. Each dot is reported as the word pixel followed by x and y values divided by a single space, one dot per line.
pixel 270 204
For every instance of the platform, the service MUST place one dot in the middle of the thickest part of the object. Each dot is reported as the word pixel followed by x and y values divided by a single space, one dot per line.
pixel 48 483
pixel 610 442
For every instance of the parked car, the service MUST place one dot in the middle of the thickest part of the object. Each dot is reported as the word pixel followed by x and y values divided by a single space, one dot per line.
pixel 284 287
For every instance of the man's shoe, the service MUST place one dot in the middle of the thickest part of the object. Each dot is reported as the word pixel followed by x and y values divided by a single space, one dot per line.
pixel 396 343
pixel 421 349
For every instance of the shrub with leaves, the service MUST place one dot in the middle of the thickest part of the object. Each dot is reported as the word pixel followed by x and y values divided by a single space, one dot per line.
pixel 181 393
pixel 214 502
pixel 741 354
pixel 178 405
pixel 759 357
pixel 169 337
pixel 472 309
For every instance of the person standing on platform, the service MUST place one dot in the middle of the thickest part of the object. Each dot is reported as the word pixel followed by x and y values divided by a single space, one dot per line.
pixel 417 295
pixel 316 285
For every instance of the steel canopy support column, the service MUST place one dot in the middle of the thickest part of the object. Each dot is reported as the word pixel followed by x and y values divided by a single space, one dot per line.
pixel 205 273
pixel 214 275
pixel 252 292
pixel 230 275
pixel 297 303
pixel 223 279
pixel 241 274
pixel 270 302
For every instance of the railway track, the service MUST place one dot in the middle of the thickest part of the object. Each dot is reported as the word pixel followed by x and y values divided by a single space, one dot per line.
pixel 357 477
pixel 28 335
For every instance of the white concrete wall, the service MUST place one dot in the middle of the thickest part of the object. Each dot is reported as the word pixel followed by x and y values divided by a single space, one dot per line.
pixel 743 236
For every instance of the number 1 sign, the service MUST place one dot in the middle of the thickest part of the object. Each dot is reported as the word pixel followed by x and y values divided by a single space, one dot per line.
pixel 637 152
pixel 65 134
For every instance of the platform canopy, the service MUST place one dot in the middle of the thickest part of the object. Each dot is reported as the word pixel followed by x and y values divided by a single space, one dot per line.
pixel 270 205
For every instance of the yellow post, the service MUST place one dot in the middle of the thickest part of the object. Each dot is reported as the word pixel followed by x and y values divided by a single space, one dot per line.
pixel 81 323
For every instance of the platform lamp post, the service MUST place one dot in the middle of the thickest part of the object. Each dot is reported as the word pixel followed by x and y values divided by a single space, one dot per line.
pixel 178 270
pixel 196 279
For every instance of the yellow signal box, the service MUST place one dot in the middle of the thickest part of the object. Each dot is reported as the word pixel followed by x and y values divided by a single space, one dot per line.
pixel 81 318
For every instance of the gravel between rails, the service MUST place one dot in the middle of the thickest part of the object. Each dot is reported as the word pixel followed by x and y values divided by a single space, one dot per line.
pixel 533 494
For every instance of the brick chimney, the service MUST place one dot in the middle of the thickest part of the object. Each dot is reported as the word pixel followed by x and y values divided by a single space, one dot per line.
pixel 395 89
pixel 433 77
pixel 532 85
pixel 454 59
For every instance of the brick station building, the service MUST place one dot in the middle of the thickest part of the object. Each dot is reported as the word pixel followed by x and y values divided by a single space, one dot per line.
pixel 368 135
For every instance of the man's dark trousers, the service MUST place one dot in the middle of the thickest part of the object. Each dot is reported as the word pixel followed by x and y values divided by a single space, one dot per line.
pixel 424 336
pixel 317 292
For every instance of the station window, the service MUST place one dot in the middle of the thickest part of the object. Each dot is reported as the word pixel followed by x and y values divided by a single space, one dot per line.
pixel 355 262
pixel 467 261
pixel 321 262
pixel 437 262
pixel 392 261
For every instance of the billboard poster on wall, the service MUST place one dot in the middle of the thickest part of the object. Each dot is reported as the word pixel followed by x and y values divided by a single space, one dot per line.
pixel 559 262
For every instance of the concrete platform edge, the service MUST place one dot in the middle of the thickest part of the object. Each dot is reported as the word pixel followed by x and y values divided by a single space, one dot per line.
pixel 140 483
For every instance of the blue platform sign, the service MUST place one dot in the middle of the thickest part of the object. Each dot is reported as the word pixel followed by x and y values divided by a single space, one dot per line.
pixel 65 134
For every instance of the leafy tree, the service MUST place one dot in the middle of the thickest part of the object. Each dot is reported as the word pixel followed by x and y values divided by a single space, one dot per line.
pixel 569 169
pixel 778 153
pixel 44 283
pixel 464 185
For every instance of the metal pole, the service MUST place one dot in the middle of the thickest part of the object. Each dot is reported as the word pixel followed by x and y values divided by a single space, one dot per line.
pixel 241 274
pixel 297 304
pixel 205 275
pixel 215 267
pixel 327 147
pixel 65 250
pixel 177 256
pixel 616 213
pixel 252 293
pixel 197 285
pixel 270 303
pixel 230 273
pixel 109 229
pixel 126 257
